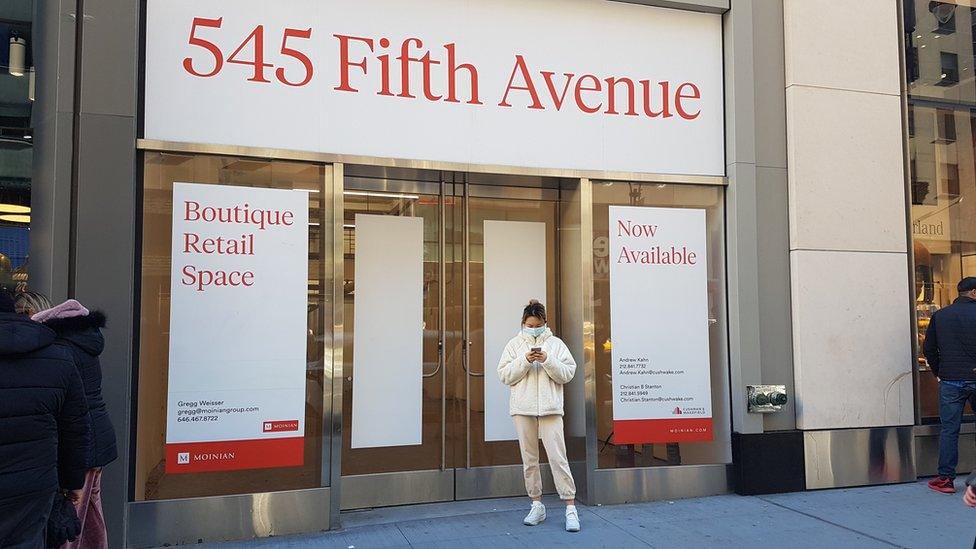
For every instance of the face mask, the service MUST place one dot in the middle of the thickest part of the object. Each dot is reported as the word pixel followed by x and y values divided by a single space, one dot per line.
pixel 534 332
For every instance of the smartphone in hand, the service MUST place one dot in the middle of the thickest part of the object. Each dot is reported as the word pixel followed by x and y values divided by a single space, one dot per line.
pixel 535 350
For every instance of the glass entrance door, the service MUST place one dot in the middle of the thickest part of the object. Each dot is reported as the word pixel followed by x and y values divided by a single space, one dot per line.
pixel 435 267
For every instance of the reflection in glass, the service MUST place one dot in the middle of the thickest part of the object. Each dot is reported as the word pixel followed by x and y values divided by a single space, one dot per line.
pixel 939 70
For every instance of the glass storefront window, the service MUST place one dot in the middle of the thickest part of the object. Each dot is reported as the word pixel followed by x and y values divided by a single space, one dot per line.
pixel 16 138
pixel 711 199
pixel 161 171
pixel 940 46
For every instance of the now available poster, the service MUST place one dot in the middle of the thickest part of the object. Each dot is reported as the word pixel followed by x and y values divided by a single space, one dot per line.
pixel 659 325
pixel 238 324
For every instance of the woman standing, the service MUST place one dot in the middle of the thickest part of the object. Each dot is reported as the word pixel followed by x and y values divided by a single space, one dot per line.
pixel 80 331
pixel 536 365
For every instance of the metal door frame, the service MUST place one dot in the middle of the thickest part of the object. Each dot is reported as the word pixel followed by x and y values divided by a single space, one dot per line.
pixel 446 483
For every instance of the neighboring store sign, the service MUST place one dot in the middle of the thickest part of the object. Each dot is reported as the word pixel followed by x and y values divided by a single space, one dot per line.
pixel 587 84
pixel 388 332
pixel 659 325
pixel 932 224
pixel 515 272
pixel 238 325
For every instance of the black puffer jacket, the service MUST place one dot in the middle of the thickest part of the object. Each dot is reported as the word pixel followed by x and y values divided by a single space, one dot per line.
pixel 82 336
pixel 45 432
pixel 950 341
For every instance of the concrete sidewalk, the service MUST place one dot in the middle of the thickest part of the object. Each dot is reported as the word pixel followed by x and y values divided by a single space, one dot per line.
pixel 907 515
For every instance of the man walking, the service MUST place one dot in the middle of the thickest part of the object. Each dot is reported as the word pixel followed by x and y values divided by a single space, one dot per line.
pixel 950 350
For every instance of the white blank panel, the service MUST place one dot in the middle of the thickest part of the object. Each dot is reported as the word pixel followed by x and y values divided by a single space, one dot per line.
pixel 387 390
pixel 515 272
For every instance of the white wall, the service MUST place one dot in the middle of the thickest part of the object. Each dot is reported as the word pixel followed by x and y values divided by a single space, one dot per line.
pixel 848 236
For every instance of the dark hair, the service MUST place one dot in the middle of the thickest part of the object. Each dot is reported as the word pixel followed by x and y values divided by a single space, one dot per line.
pixel 534 308
pixel 967 284
pixel 6 299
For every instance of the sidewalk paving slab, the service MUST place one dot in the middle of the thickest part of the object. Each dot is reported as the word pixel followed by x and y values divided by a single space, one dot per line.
pixel 906 515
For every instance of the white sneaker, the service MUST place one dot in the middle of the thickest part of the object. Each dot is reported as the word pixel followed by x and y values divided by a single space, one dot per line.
pixel 572 519
pixel 536 515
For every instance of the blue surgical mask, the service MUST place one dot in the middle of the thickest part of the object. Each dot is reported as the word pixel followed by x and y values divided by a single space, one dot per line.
pixel 534 332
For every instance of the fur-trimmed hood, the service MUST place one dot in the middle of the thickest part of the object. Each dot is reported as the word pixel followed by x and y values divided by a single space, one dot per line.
pixel 83 331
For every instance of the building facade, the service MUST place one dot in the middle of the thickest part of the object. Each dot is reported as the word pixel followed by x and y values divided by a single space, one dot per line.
pixel 313 228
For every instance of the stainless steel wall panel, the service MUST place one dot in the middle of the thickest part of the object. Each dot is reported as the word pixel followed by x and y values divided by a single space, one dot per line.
pixel 284 154
pixel 707 6
pixel 197 520
pixel 337 262
pixel 613 486
pixel 859 457
pixel 500 481
pixel 401 488
pixel 105 276
pixel 927 449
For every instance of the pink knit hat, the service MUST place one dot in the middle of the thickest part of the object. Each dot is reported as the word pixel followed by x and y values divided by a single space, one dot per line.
pixel 68 309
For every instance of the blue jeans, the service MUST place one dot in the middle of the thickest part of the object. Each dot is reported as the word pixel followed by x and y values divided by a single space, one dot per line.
pixel 952 399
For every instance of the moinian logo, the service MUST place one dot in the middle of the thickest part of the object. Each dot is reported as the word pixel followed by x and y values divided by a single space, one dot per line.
pixel 677 411
pixel 215 456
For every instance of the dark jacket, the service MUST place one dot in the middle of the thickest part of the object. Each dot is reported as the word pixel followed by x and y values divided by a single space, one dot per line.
pixel 82 336
pixel 45 433
pixel 950 341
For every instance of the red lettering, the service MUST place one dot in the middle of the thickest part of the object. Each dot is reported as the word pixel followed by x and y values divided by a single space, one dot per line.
pixel 385 69
pixel 452 69
pixel 678 96
pixel 288 218
pixel 529 86
pixel 612 95
pixel 192 210
pixel 427 61
pixel 557 101
pixel 190 241
pixel 405 60
pixel 580 89
pixel 665 99
pixel 189 275
pixel 345 63
pixel 202 279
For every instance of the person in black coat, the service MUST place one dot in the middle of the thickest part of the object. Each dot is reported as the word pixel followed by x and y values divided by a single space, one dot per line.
pixel 79 331
pixel 950 351
pixel 45 430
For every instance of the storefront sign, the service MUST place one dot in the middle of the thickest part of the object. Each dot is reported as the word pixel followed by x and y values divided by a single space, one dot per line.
pixel 587 84
pixel 659 325
pixel 238 324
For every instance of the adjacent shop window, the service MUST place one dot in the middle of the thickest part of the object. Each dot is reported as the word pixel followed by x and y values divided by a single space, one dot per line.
pixel 16 139
pixel 250 179
pixel 681 229
pixel 942 136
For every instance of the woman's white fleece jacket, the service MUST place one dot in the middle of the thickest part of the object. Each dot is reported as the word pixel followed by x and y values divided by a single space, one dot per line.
pixel 537 388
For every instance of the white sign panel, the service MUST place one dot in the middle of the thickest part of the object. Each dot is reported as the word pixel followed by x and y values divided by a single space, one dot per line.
pixel 388 332
pixel 659 325
pixel 515 272
pixel 585 84
pixel 238 324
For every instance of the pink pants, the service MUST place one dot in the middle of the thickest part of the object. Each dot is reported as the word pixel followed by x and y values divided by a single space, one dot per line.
pixel 89 507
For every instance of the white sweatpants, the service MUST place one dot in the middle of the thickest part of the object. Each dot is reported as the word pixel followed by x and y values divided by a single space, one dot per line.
pixel 550 429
